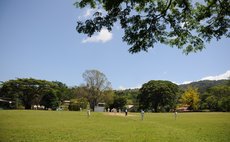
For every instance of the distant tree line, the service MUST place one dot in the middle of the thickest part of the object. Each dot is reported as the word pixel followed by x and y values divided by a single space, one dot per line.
pixel 27 92
pixel 154 96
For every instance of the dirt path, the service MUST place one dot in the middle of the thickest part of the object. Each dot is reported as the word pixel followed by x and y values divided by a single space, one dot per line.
pixel 117 114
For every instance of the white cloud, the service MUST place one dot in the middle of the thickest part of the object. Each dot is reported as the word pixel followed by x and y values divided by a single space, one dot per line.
pixel 186 82
pixel 225 75
pixel 124 88
pixel 103 36
pixel 121 88
pixel 88 12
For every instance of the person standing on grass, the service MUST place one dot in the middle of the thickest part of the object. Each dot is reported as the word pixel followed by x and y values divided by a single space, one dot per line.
pixel 88 112
pixel 175 114
pixel 142 114
pixel 126 112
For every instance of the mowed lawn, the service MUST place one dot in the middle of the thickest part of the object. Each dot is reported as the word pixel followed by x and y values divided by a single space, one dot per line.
pixel 65 126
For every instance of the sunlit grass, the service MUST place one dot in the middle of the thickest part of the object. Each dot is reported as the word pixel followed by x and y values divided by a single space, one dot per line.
pixel 64 126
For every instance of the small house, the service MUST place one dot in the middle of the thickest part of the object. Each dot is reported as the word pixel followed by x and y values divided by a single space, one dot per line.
pixel 100 107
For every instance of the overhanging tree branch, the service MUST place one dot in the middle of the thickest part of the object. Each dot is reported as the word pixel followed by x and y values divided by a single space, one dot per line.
pixel 178 23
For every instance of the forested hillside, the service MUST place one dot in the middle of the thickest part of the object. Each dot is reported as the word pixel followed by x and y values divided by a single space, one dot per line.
pixel 213 95
pixel 204 84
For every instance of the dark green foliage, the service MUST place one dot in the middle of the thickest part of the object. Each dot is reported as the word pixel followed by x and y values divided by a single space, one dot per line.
pixel 61 90
pixel 29 91
pixel 78 92
pixel 203 85
pixel 50 100
pixel 78 104
pixel 218 98
pixel 158 95
pixel 214 95
pixel 131 97
pixel 84 92
pixel 129 94
pixel 181 23
pixel 119 102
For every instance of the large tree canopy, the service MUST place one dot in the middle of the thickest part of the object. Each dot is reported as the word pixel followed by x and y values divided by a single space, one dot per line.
pixel 185 24
pixel 158 95
pixel 33 92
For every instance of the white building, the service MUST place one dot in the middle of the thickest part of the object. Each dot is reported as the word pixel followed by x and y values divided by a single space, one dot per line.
pixel 100 107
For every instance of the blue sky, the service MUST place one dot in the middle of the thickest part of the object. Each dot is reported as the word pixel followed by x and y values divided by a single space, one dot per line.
pixel 38 39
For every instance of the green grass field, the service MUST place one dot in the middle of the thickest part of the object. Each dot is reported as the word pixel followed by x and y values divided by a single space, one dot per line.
pixel 64 126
